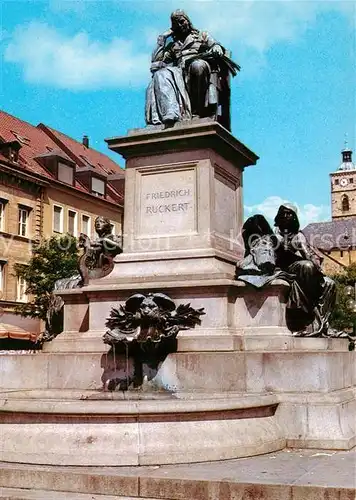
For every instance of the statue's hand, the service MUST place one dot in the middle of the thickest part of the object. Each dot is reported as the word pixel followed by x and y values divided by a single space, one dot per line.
pixel 96 245
pixel 161 40
pixel 155 66
pixel 216 51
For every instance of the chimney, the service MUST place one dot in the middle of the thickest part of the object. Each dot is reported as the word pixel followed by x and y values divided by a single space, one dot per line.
pixel 86 141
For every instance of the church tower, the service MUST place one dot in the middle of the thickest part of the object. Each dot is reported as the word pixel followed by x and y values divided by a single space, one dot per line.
pixel 343 188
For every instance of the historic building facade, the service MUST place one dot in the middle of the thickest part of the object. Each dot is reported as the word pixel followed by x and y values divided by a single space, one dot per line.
pixel 50 184
pixel 343 188
pixel 336 239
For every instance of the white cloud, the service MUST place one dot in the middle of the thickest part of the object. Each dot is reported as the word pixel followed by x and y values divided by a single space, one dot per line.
pixel 248 28
pixel 306 213
pixel 255 24
pixel 76 62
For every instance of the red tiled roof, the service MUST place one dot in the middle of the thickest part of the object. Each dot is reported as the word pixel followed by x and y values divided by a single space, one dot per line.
pixel 34 142
pixel 40 140
pixel 83 156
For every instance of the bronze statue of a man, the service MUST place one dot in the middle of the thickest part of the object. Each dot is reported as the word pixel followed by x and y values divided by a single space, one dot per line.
pixel 190 75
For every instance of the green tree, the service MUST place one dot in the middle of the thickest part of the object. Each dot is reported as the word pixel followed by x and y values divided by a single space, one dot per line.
pixel 344 314
pixel 52 259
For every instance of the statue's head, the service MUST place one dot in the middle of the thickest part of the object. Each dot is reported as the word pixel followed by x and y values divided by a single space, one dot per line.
pixel 149 304
pixel 253 228
pixel 181 24
pixel 263 253
pixel 260 243
pixel 102 226
pixel 149 308
pixel 287 218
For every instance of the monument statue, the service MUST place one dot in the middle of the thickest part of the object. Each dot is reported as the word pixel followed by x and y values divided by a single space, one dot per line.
pixel 145 329
pixel 258 268
pixel 97 260
pixel 190 76
pixel 312 295
pixel 287 255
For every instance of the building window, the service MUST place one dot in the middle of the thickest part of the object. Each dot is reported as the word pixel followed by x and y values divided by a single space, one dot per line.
pixel 2 277
pixel 57 219
pixel 21 290
pixel 336 181
pixel 2 215
pixel 351 180
pixel 65 173
pixel 72 222
pixel 345 204
pixel 24 215
pixel 341 253
pixel 21 138
pixel 86 225
pixel 98 186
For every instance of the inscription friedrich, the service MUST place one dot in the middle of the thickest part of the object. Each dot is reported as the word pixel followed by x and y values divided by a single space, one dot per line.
pixel 173 195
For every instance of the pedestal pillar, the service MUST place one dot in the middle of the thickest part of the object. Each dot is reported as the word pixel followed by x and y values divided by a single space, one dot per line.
pixel 183 203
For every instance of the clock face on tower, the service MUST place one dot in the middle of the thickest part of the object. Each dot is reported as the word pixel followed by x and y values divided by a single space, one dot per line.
pixel 343 182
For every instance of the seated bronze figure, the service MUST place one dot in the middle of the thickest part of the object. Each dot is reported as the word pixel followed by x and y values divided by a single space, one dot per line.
pixel 190 76
pixel 97 260
pixel 287 255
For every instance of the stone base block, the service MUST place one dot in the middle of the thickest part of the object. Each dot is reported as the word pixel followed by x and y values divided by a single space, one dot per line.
pixel 89 342
pixel 51 371
pixel 319 421
pixel 279 372
pixel 169 266
pixel 141 432
pixel 257 339
pixel 231 309
pixel 312 379
pixel 299 365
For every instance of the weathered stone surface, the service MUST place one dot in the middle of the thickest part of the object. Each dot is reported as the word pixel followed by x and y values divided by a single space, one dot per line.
pixel 86 429
pixel 286 475
pixel 166 202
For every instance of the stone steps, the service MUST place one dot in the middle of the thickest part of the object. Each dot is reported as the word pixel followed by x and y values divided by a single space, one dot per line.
pixel 21 494
pixel 246 492
pixel 286 475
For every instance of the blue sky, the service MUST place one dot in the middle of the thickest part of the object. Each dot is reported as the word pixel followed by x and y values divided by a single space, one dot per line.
pixel 82 67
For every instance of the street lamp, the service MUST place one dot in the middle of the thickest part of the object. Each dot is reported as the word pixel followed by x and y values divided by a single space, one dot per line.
pixel 351 292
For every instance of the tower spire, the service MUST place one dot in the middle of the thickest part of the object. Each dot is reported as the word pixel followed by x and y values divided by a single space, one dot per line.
pixel 346 143
pixel 346 154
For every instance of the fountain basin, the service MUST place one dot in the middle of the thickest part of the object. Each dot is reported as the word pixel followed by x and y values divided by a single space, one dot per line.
pixel 104 429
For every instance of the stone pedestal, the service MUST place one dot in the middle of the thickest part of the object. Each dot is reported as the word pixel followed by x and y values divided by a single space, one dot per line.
pixel 182 221
pixel 183 203
pixel 240 384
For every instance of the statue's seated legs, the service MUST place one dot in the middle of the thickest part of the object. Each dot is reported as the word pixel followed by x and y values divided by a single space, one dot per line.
pixel 167 97
pixel 198 85
pixel 311 299
pixel 167 103
pixel 310 280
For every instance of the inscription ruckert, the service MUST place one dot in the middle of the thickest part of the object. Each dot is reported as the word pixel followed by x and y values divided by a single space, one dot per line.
pixel 167 203
pixel 172 197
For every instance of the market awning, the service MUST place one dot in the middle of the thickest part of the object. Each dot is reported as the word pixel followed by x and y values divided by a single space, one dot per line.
pixel 8 331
